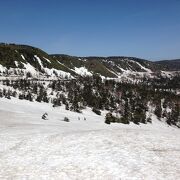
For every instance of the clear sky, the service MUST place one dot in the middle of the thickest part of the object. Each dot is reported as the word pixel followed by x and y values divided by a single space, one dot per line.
pixel 143 28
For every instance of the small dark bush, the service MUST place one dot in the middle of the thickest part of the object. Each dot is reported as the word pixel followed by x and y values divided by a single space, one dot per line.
pixel 45 116
pixel 112 119
pixel 107 121
pixel 149 120
pixel 97 111
pixel 66 119
pixel 123 120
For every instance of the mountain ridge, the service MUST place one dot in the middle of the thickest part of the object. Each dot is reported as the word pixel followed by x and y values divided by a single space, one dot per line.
pixel 24 59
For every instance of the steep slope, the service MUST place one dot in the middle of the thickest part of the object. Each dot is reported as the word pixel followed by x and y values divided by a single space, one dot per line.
pixel 23 60
pixel 121 63
pixel 123 68
pixel 91 65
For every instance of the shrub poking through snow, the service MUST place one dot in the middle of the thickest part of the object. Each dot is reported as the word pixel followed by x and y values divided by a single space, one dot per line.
pixel 112 119
pixel 108 118
pixel 123 120
pixel 66 119
pixel 45 116
pixel 149 120
pixel 97 111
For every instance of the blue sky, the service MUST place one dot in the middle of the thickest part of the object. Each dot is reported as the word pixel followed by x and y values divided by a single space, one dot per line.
pixel 143 28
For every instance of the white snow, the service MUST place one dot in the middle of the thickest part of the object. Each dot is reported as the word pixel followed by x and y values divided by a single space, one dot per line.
pixel 82 59
pixel 2 68
pixel 16 63
pixel 23 56
pixel 32 148
pixel 30 68
pixel 60 63
pixel 168 74
pixel 39 60
pixel 111 71
pixel 142 67
pixel 64 65
pixel 59 73
pixel 47 60
pixel 83 71
pixel 123 70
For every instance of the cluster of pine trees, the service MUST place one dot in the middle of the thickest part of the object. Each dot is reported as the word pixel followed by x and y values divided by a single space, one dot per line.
pixel 125 102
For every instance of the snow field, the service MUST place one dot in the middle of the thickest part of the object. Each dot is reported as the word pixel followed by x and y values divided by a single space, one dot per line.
pixel 32 148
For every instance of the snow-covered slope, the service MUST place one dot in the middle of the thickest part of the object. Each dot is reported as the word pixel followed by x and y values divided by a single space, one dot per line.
pixel 27 61
pixel 32 148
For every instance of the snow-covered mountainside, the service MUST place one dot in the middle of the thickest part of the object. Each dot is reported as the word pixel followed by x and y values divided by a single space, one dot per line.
pixel 27 61
pixel 84 148
pixel 64 117
pixel 121 85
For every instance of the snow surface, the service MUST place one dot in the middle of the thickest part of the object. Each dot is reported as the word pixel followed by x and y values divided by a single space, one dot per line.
pixel 111 71
pixel 60 73
pixel 82 71
pixel 142 67
pixel 60 63
pixel 16 63
pixel 168 74
pixel 23 56
pixel 39 61
pixel 2 68
pixel 29 68
pixel 47 60
pixel 32 148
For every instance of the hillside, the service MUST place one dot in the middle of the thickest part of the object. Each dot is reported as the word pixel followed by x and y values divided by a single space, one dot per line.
pixel 122 85
pixel 172 65
pixel 23 61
